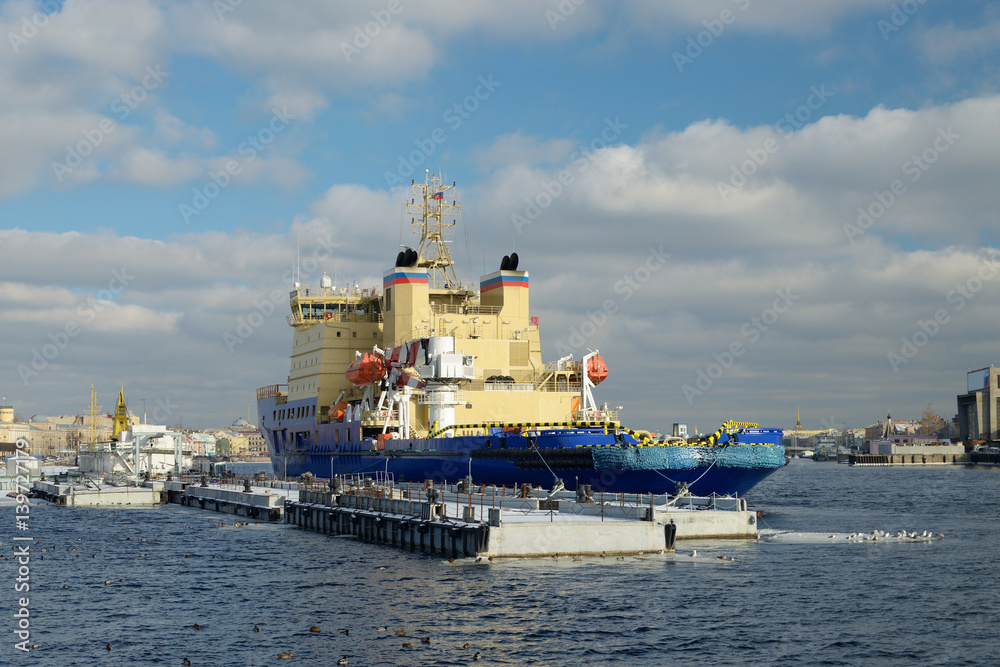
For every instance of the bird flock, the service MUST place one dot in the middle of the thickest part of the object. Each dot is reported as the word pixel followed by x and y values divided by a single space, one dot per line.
pixel 885 536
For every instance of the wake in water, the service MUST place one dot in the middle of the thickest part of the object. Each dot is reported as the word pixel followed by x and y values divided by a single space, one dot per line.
pixel 876 536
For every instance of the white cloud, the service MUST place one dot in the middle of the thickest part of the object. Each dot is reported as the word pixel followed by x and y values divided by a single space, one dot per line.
pixel 948 42
pixel 518 148
pixel 172 130
pixel 789 16
pixel 153 168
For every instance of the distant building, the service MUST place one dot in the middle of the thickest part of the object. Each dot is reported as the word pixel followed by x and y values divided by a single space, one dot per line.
pixel 979 407
pixel 245 439
pixel 902 444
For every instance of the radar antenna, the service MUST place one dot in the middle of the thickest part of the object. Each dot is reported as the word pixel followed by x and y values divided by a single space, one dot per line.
pixel 434 208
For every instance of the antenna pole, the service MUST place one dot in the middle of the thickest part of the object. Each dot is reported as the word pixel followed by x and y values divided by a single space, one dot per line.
pixel 431 207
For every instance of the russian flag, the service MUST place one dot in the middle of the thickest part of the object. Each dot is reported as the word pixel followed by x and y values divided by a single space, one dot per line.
pixel 438 195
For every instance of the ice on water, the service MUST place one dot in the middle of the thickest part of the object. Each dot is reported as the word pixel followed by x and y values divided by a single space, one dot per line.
pixel 875 536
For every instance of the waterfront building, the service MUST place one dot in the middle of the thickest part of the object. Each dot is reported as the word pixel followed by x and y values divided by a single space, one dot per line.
pixel 979 407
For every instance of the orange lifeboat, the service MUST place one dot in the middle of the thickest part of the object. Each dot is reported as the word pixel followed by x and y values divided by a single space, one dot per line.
pixel 338 410
pixel 366 369
pixel 597 370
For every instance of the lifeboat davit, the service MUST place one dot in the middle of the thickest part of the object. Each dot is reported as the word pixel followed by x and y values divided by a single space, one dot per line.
pixel 597 370
pixel 366 369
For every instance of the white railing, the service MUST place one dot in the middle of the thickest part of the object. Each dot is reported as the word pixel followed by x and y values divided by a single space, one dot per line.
pixel 426 398
pixel 380 415
pixel 508 386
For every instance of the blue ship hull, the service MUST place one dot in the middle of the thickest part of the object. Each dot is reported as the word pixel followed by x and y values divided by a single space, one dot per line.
pixel 701 481
pixel 607 461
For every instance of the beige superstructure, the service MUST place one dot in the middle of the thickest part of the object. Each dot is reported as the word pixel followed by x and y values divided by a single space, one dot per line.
pixel 420 299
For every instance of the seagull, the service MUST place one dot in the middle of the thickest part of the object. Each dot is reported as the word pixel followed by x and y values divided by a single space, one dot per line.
pixel 342 661
pixel 694 553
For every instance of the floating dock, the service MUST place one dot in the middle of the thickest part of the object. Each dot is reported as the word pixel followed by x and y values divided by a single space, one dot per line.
pixel 485 521
pixel 97 495
pixel 461 520
pixel 261 503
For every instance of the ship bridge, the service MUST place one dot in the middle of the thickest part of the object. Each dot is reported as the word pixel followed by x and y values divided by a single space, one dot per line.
pixel 348 304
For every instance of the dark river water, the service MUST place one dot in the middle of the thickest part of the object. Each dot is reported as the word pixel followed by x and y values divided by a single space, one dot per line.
pixel 139 580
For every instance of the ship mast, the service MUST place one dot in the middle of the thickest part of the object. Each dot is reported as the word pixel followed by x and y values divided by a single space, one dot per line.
pixel 434 218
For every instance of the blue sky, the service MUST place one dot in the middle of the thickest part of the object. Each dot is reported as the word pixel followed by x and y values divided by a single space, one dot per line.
pixel 884 80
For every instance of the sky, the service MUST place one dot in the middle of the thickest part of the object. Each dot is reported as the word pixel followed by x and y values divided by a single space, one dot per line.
pixel 748 207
